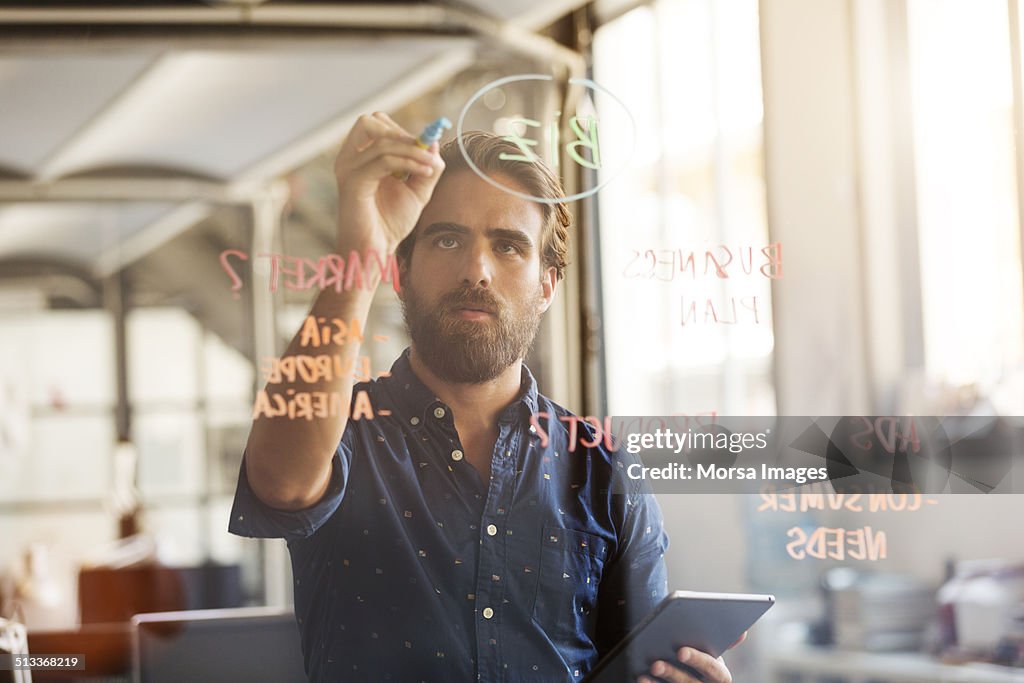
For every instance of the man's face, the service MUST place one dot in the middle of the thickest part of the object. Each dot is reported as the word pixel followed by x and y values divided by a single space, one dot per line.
pixel 475 290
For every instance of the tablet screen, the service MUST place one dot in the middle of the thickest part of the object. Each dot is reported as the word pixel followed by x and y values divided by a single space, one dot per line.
pixel 709 622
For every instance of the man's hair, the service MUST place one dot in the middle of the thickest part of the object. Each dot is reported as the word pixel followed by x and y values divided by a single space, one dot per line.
pixel 485 149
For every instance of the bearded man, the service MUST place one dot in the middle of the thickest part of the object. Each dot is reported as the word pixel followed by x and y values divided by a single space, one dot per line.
pixel 443 540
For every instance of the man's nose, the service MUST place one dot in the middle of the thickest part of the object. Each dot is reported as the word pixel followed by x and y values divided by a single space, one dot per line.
pixel 477 267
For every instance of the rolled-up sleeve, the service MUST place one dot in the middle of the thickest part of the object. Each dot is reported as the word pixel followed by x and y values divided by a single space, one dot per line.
pixel 253 518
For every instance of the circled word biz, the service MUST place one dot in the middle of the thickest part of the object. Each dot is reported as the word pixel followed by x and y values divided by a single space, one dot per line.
pixel 680 471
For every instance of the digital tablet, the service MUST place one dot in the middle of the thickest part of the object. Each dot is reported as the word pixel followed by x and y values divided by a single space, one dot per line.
pixel 709 622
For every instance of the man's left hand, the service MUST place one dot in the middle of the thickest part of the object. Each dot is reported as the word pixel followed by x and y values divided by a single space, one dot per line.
pixel 711 670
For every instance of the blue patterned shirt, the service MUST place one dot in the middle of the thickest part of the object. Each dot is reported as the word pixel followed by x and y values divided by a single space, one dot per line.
pixel 411 568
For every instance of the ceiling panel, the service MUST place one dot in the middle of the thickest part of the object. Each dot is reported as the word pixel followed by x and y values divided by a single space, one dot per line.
pixel 216 113
pixel 44 100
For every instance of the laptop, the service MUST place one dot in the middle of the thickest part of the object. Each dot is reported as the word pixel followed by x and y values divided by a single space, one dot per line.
pixel 241 644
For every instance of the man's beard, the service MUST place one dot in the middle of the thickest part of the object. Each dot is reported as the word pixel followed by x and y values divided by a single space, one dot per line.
pixel 470 351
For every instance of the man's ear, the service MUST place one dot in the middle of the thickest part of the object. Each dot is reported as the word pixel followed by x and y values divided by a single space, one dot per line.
pixel 548 283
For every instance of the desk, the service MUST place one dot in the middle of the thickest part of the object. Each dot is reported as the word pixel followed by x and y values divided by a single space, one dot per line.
pixel 807 664
pixel 107 650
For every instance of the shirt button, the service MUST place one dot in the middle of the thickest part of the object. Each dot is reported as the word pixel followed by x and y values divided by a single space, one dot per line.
pixel 491 529
pixel 488 613
pixel 438 412
pixel 456 455
pixel 414 420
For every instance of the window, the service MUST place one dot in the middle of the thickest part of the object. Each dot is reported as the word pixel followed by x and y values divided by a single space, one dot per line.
pixel 687 304
pixel 970 249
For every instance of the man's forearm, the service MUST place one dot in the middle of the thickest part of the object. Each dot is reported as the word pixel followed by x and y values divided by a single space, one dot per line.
pixel 288 460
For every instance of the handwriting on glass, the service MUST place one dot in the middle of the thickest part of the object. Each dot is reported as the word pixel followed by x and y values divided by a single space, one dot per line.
pixel 583 127
pixel 330 271
pixel 325 339
pixel 865 543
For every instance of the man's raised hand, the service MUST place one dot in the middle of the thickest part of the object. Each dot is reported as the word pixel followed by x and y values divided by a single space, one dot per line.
pixel 376 210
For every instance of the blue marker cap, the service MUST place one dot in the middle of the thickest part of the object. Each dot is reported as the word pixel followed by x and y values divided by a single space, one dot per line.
pixel 433 132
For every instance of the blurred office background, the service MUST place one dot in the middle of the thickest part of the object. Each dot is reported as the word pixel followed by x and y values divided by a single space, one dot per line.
pixel 868 146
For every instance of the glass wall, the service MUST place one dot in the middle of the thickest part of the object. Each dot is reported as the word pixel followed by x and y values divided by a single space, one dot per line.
pixel 687 263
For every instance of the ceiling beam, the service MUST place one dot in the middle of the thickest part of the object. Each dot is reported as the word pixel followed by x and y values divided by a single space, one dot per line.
pixel 124 189
pixel 415 18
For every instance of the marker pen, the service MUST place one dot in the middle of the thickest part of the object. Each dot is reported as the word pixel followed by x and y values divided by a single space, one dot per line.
pixel 431 134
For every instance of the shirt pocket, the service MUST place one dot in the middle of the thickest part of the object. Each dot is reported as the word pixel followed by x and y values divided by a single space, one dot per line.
pixel 571 564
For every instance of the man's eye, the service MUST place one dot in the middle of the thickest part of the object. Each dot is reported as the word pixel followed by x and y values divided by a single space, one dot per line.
pixel 508 248
pixel 447 242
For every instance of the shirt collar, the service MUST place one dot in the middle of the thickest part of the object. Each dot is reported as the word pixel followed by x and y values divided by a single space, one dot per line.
pixel 412 397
